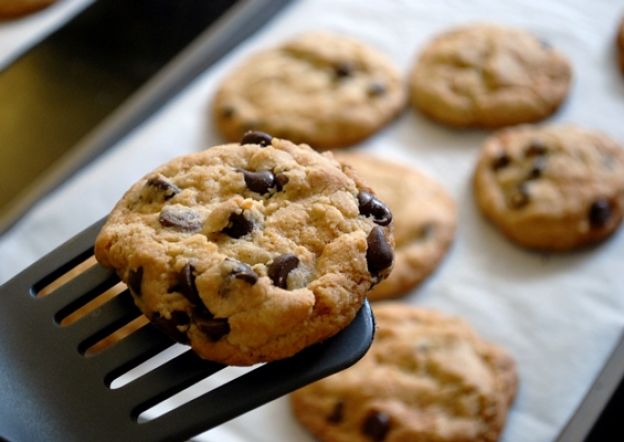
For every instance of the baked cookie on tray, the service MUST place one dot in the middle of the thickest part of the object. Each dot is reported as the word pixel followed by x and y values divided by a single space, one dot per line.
pixel 554 187
pixel 486 75
pixel 320 88
pixel 17 8
pixel 427 377
pixel 248 252
pixel 424 217
pixel 620 44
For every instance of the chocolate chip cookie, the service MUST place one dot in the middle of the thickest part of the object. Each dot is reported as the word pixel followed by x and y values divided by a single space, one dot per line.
pixel 17 8
pixel 320 88
pixel 424 219
pixel 485 75
pixel 556 187
pixel 620 45
pixel 427 377
pixel 249 252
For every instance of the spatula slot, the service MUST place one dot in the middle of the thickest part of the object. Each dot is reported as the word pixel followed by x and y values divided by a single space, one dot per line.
pixel 65 272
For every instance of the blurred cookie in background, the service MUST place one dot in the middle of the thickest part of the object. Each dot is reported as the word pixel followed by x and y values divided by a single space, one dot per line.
pixel 489 76
pixel 424 217
pixel 554 187
pixel 427 377
pixel 319 88
pixel 17 8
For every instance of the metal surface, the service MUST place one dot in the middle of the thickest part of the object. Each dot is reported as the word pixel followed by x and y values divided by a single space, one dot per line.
pixel 88 84
pixel 52 391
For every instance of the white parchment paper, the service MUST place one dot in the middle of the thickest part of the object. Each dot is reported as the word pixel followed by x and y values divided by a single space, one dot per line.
pixel 559 315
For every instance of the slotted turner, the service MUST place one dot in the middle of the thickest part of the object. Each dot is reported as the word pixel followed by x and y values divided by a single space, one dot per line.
pixel 51 390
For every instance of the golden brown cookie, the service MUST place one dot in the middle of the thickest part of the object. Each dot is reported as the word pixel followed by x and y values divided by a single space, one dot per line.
pixel 427 377
pixel 620 45
pixel 249 252
pixel 424 217
pixel 17 8
pixel 555 187
pixel 486 75
pixel 320 88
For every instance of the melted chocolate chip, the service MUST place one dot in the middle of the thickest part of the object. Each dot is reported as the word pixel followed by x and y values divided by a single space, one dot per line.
pixel 370 206
pixel 501 161
pixel 379 254
pixel 186 285
pixel 257 137
pixel 213 328
pixel 135 278
pixel 168 189
pixel 343 69
pixel 337 414
pixel 179 317
pixel 244 272
pixel 536 148
pixel 170 326
pixel 238 226
pixel 376 89
pixel 599 213
pixel 376 426
pixel 181 219
pixel 259 182
pixel 520 197
pixel 537 169
pixel 280 268
pixel 280 181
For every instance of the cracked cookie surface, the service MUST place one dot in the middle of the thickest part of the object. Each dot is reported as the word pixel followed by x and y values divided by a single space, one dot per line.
pixel 320 88
pixel 427 377
pixel 554 187
pixel 424 217
pixel 248 252
pixel 486 75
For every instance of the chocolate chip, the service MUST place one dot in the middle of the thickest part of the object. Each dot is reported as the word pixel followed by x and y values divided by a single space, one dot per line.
pixel 244 272
pixel 257 137
pixel 181 219
pixel 179 317
pixel 370 206
pixel 343 69
pixel 520 197
pixel 599 213
pixel 379 254
pixel 168 189
pixel 376 426
pixel 186 285
pixel 169 327
pixel 135 278
pixel 213 328
pixel 227 112
pixel 376 89
pixel 537 169
pixel 501 161
pixel 280 268
pixel 337 414
pixel 259 182
pixel 536 148
pixel 238 225
pixel 280 181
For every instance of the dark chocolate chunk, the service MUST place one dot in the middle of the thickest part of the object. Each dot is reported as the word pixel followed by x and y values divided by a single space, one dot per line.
pixel 376 426
pixel 135 278
pixel 238 225
pixel 536 148
pixel 244 272
pixel 260 181
pixel 379 254
pixel 179 317
pixel 227 112
pixel 376 89
pixel 168 189
pixel 280 268
pixel 501 161
pixel 213 328
pixel 343 69
pixel 520 197
pixel 599 213
pixel 537 168
pixel 370 206
pixel 337 413
pixel 169 327
pixel 186 285
pixel 257 137
pixel 280 181
pixel 179 218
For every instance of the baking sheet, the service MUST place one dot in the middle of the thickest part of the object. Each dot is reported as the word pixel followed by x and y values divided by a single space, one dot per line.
pixel 559 315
